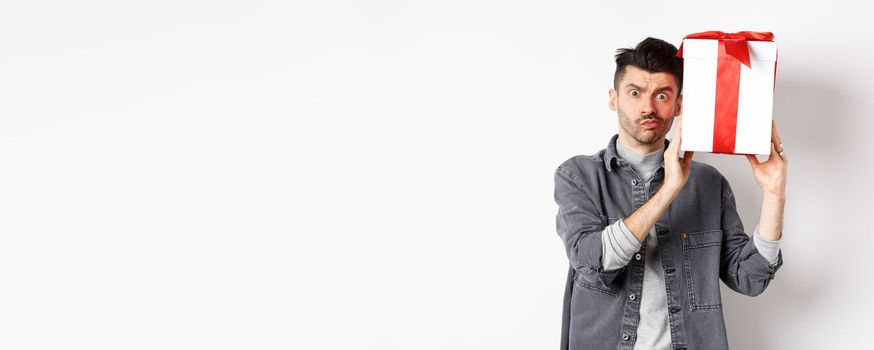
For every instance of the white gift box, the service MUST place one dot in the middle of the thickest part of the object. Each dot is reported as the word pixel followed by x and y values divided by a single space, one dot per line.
pixel 707 124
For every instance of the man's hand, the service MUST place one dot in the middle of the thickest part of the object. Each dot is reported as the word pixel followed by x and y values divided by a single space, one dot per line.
pixel 771 174
pixel 676 169
pixel 641 221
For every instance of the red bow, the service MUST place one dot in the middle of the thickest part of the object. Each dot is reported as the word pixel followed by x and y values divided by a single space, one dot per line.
pixel 735 43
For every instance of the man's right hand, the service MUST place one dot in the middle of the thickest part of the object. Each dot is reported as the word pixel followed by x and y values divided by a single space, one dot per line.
pixel 641 221
pixel 676 169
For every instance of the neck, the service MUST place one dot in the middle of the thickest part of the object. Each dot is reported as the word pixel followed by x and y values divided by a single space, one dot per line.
pixel 641 148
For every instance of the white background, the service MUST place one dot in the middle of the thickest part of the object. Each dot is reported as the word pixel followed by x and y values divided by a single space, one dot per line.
pixel 377 175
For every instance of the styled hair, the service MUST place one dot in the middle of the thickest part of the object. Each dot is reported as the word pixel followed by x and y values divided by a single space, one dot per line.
pixel 651 55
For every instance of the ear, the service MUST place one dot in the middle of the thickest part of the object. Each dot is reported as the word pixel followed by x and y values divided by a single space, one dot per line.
pixel 679 107
pixel 612 102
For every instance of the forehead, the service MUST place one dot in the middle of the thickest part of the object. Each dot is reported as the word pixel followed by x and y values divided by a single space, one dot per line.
pixel 641 78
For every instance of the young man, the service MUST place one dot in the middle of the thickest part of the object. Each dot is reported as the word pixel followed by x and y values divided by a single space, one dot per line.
pixel 649 234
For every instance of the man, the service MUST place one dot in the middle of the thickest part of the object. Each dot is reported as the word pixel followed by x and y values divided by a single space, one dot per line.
pixel 649 234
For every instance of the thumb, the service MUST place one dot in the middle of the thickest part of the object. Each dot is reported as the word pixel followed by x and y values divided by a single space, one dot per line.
pixel 753 160
pixel 687 158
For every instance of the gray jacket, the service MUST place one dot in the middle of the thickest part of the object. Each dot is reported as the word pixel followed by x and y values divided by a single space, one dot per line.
pixel 700 239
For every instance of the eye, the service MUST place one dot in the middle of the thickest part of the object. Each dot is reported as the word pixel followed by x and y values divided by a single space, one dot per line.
pixel 634 93
pixel 662 97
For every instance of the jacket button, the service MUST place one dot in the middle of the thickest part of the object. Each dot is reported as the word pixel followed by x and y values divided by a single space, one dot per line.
pixel 626 337
pixel 637 256
pixel 634 182
pixel 683 235
pixel 675 310
pixel 632 296
pixel 670 270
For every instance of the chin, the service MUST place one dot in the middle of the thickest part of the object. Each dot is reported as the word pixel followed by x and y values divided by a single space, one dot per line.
pixel 648 140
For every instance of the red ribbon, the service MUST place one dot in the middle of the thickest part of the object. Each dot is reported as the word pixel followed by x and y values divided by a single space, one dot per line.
pixel 735 43
pixel 727 90
pixel 733 50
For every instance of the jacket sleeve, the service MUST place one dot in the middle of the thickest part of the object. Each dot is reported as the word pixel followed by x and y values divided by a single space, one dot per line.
pixel 742 267
pixel 580 227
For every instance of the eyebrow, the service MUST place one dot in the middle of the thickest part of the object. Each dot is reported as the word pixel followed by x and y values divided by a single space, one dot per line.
pixel 663 88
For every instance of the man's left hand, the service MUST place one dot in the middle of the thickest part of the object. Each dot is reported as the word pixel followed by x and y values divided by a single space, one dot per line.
pixel 771 174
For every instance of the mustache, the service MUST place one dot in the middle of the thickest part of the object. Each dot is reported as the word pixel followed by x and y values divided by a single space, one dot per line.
pixel 650 116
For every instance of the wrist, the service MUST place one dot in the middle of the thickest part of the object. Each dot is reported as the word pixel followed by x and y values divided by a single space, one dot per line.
pixel 775 196
pixel 671 188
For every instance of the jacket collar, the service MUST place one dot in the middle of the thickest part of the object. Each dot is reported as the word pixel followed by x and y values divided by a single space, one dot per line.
pixel 611 156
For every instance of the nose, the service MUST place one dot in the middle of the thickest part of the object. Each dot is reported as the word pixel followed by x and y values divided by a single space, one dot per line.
pixel 646 107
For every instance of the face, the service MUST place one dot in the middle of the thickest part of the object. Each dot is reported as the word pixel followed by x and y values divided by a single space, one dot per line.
pixel 646 104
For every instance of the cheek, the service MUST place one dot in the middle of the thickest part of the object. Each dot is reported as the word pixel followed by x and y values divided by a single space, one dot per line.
pixel 667 109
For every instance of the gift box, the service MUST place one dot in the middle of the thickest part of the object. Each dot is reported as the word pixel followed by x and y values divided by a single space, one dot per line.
pixel 728 92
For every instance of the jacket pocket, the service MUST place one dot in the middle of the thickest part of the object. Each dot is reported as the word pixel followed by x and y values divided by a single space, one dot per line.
pixel 587 277
pixel 701 255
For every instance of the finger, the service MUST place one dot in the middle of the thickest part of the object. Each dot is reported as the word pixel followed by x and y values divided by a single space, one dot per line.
pixel 773 154
pixel 774 135
pixel 754 161
pixel 773 128
pixel 781 154
pixel 671 151
pixel 778 142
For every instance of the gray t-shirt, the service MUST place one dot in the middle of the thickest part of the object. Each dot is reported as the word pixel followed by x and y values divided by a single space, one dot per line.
pixel 653 332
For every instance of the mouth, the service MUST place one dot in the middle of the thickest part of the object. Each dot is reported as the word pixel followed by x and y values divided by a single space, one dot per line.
pixel 650 123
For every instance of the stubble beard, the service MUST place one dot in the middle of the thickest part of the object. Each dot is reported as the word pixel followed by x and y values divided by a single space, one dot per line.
pixel 643 136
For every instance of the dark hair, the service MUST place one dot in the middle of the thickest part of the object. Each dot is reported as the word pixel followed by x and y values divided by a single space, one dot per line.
pixel 652 55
